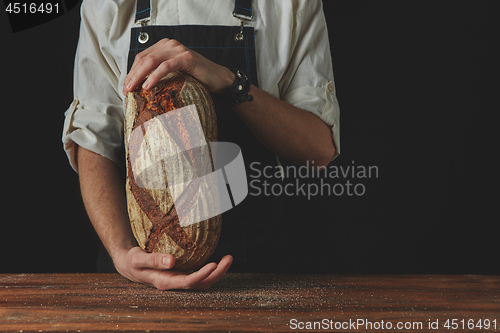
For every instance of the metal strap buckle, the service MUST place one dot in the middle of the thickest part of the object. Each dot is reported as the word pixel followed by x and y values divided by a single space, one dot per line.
pixel 143 36
pixel 142 22
pixel 243 17
pixel 240 36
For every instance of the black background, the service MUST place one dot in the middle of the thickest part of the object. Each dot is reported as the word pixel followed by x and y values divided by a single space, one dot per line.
pixel 417 83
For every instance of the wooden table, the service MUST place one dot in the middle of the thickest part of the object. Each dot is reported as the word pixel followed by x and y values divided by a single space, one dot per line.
pixel 252 302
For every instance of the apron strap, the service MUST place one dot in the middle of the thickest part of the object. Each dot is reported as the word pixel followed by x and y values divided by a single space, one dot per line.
pixel 243 10
pixel 143 11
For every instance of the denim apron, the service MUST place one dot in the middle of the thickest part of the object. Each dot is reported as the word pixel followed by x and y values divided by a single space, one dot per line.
pixel 251 230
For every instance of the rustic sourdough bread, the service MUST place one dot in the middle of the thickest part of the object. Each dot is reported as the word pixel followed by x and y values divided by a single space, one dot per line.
pixel 153 216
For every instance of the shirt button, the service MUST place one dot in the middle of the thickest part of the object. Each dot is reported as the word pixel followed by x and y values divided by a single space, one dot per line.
pixel 330 87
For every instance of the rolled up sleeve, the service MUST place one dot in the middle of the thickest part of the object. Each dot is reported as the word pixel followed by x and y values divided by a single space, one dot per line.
pixel 97 128
pixel 94 120
pixel 308 82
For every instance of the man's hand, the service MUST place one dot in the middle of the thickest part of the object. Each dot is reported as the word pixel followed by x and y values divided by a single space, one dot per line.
pixel 168 55
pixel 286 130
pixel 154 269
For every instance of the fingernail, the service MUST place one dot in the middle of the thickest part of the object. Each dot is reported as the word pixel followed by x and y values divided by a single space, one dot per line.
pixel 126 88
pixel 164 261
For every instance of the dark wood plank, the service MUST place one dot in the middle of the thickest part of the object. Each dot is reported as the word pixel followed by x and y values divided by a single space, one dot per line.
pixel 248 302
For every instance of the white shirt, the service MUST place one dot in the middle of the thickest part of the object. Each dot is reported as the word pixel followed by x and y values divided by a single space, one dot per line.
pixel 292 53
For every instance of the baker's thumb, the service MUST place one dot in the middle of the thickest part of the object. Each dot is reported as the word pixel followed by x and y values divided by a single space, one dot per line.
pixel 161 260
pixel 142 259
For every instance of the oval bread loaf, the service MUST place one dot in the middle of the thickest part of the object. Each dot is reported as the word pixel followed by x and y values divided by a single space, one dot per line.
pixel 153 216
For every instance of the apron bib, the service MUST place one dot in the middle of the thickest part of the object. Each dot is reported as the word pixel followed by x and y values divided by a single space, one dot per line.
pixel 251 230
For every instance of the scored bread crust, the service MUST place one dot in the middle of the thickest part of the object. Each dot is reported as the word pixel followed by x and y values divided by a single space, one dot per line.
pixel 152 213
